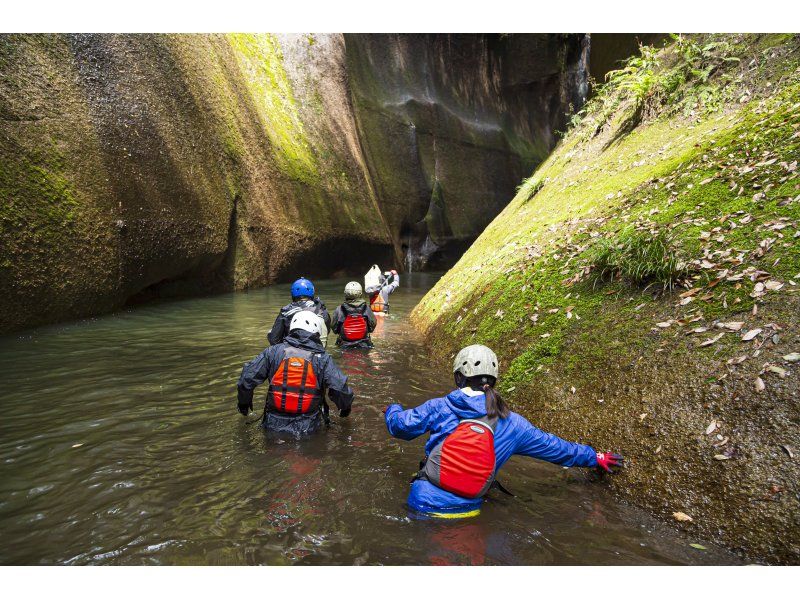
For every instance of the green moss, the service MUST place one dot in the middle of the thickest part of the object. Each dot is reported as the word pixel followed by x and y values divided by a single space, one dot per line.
pixel 261 63
pixel 666 177
pixel 38 200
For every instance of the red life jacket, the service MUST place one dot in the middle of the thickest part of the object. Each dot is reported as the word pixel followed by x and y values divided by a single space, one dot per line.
pixel 294 387
pixel 464 463
pixel 354 327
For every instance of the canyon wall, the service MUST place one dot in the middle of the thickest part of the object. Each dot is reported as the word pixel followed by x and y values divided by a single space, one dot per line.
pixel 141 166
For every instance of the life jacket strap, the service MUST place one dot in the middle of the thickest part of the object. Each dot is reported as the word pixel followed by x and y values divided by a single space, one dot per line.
pixel 284 387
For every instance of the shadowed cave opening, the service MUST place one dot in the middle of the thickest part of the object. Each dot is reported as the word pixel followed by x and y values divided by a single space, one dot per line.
pixel 336 258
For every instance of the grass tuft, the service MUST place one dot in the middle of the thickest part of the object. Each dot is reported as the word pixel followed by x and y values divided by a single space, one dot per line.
pixel 640 258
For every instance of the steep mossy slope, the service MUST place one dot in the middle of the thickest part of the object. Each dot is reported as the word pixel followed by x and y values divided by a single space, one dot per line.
pixel 642 287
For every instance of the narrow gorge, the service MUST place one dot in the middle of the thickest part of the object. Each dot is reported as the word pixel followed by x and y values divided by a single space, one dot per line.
pixel 142 166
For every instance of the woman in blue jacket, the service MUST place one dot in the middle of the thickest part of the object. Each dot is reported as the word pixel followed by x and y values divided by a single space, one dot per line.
pixel 466 427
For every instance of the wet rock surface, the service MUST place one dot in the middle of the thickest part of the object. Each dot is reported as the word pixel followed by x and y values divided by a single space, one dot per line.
pixel 451 123
pixel 137 166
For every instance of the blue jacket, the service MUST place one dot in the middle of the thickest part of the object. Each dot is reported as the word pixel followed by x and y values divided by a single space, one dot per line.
pixel 514 435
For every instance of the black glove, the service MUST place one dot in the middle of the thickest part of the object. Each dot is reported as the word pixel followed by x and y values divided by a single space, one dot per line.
pixel 245 408
pixel 344 412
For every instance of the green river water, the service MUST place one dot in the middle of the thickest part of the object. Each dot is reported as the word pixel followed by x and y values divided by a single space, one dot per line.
pixel 120 443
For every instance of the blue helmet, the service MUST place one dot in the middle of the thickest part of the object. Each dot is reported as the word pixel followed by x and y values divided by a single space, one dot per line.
pixel 302 287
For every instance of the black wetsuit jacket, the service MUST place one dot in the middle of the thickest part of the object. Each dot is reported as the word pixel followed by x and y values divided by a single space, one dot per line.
pixel 262 368
pixel 281 327
pixel 361 309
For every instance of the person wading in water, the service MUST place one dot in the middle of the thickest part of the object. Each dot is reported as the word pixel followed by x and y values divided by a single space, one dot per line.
pixel 300 373
pixel 472 434
pixel 353 320
pixel 303 299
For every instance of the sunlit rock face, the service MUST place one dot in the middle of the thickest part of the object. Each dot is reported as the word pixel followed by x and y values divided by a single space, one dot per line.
pixel 142 166
pixel 450 124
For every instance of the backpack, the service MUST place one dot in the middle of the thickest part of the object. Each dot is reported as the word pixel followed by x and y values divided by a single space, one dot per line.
pixel 293 388
pixel 354 327
pixel 464 463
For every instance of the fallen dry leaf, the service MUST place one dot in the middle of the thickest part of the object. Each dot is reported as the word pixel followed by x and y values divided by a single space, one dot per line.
pixel 697 330
pixel 751 334
pixel 773 285
pixel 788 450
pixel 760 386
pixel 792 357
pixel 713 340
pixel 681 516
pixel 721 457
pixel 664 324
pixel 735 326
pixel 711 427
pixel 758 290
pixel 777 370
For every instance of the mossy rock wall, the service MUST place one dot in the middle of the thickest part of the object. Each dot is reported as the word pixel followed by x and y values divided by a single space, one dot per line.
pixel 140 166
pixel 697 144
pixel 143 165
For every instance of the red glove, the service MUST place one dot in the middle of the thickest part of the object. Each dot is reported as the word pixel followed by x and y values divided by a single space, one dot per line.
pixel 609 460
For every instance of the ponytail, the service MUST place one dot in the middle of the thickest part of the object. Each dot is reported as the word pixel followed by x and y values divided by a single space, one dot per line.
pixel 495 405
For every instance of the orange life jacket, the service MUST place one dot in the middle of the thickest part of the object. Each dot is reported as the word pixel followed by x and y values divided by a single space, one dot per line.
pixel 377 304
pixel 294 387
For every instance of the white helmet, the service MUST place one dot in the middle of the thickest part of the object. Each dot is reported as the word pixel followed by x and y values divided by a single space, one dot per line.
pixel 353 290
pixel 476 360
pixel 307 320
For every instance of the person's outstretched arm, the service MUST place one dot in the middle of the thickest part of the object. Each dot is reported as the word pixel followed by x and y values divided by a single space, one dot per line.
pixel 409 423
pixel 533 442
pixel 278 331
pixel 395 282
pixel 336 382
pixel 254 373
